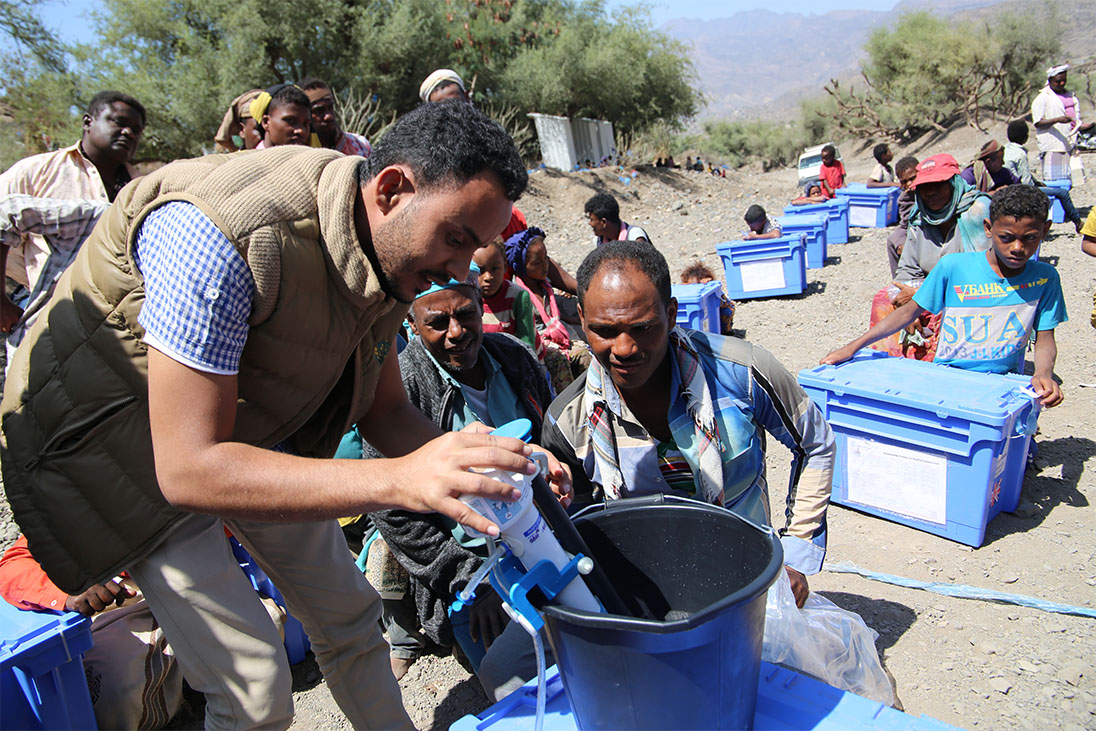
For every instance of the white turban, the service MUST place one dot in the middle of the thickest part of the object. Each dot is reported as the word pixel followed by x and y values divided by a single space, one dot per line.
pixel 1055 70
pixel 436 78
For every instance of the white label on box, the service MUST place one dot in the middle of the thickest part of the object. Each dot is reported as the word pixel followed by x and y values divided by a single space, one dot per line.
pixel 862 216
pixel 762 275
pixel 898 479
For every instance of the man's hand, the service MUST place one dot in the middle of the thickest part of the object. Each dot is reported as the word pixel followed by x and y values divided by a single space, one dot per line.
pixel 905 294
pixel 9 313
pixel 435 475
pixel 799 586
pixel 840 355
pixel 1049 391
pixel 487 618
pixel 98 598
pixel 558 477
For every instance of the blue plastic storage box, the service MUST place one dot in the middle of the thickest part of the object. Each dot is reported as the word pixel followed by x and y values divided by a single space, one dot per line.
pixel 698 305
pixel 1057 213
pixel 871 207
pixel 933 447
pixel 764 267
pixel 837 218
pixel 813 227
pixel 42 681
pixel 785 701
pixel 296 640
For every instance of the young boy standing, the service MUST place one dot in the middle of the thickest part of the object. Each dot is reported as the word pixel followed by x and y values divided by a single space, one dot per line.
pixel 832 173
pixel 992 300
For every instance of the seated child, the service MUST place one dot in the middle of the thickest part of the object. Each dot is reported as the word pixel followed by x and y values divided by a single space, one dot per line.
pixel 699 273
pixel 135 679
pixel 832 172
pixel 812 193
pixel 506 306
pixel 882 176
pixel 906 170
pixel 528 258
pixel 991 301
pixel 761 226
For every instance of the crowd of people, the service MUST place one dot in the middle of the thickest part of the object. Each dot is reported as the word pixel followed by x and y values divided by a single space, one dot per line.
pixel 305 347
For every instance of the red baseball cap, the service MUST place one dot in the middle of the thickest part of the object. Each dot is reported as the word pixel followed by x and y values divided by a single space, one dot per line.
pixel 936 169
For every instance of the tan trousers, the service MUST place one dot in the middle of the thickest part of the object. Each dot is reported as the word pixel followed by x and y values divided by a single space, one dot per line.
pixel 230 650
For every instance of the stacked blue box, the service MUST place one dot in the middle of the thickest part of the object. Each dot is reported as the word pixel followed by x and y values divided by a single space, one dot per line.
pixel 813 227
pixel 1057 213
pixel 296 640
pixel 698 305
pixel 42 681
pixel 936 448
pixel 837 216
pixel 785 700
pixel 871 207
pixel 764 267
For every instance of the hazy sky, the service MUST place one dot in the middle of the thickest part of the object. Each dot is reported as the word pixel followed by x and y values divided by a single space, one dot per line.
pixel 71 17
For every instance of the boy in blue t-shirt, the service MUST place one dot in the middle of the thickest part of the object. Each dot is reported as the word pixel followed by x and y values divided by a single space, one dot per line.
pixel 991 300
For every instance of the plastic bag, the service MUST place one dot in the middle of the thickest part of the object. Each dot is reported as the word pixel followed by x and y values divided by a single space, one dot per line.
pixel 824 641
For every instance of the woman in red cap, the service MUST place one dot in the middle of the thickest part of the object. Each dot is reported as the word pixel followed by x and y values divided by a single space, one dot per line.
pixel 947 216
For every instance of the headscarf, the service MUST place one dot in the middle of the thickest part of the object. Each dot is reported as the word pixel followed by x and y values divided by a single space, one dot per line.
pixel 1055 70
pixel 982 179
pixel 517 246
pixel 433 80
pixel 472 280
pixel 963 197
pixel 238 111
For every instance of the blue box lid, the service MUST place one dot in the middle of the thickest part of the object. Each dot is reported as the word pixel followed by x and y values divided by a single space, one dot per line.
pixel 25 633
pixel 693 292
pixel 986 398
pixel 772 247
pixel 793 221
pixel 785 700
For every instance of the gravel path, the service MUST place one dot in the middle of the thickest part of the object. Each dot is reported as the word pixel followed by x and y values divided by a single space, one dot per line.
pixel 970 663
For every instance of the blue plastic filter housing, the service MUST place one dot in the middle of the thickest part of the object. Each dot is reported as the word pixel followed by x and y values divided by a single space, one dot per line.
pixel 933 447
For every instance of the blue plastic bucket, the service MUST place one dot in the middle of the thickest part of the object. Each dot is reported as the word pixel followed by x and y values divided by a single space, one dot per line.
pixel 695 577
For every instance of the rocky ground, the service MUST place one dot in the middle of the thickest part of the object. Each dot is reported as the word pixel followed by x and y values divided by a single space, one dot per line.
pixel 970 663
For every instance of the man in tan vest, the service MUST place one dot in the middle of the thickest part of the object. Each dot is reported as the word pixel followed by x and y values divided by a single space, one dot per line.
pixel 226 322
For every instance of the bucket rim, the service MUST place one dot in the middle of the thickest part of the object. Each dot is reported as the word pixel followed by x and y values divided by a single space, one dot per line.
pixel 754 590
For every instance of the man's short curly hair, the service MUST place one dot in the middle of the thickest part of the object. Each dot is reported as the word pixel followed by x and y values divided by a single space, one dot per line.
pixel 1019 201
pixel 449 142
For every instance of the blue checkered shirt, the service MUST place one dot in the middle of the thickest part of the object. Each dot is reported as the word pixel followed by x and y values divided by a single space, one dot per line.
pixel 198 289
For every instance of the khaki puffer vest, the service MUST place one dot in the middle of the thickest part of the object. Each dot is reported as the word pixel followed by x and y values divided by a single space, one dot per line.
pixel 76 448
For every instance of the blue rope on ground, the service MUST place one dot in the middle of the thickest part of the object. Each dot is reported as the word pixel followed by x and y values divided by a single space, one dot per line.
pixel 962 591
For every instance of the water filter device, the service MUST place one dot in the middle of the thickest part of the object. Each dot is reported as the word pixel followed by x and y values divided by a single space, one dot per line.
pixel 522 527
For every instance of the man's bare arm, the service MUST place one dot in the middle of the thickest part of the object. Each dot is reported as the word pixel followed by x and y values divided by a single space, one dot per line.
pixel 199 468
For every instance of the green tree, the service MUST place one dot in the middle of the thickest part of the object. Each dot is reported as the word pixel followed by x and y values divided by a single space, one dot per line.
pixel 619 69
pixel 36 91
pixel 927 72
pixel 187 59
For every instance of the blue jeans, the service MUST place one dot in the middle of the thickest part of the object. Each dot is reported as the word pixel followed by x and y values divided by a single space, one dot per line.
pixel 1063 197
